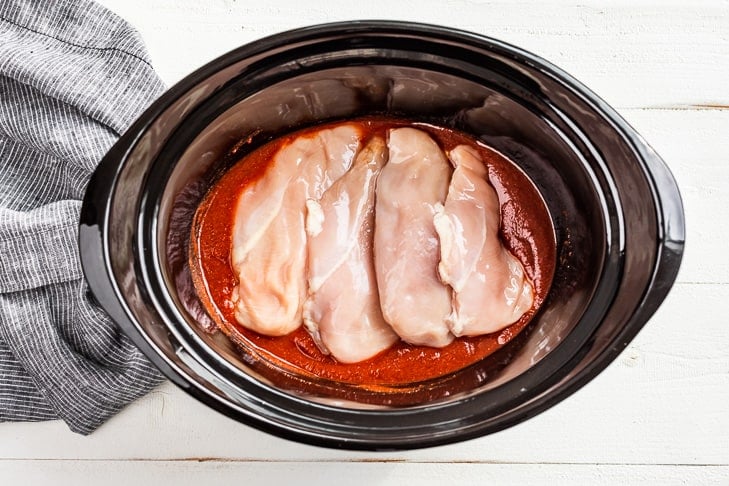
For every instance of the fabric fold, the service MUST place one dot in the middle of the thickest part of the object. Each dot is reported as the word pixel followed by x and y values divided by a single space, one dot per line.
pixel 73 76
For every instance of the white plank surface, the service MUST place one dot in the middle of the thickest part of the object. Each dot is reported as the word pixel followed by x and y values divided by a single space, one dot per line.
pixel 657 415
pixel 184 473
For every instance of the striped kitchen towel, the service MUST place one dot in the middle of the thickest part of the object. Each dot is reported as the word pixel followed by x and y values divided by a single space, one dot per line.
pixel 73 76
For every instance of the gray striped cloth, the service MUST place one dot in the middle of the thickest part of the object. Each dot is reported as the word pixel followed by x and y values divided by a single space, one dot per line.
pixel 73 76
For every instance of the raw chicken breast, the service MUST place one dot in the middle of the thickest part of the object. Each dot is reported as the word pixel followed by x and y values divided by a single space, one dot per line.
pixel 269 240
pixel 343 312
pixel 490 290
pixel 414 301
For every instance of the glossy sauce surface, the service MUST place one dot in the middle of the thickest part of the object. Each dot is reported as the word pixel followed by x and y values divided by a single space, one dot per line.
pixel 526 231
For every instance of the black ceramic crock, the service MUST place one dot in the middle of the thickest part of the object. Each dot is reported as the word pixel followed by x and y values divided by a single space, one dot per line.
pixel 615 207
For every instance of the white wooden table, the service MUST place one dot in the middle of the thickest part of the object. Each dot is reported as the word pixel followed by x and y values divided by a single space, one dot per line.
pixel 659 414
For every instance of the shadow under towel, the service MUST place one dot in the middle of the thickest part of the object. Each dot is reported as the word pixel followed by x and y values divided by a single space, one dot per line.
pixel 73 76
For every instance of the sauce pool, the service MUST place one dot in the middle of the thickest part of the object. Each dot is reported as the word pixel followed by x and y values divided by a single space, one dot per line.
pixel 526 231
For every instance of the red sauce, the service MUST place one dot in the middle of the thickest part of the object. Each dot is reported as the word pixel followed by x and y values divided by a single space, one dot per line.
pixel 524 233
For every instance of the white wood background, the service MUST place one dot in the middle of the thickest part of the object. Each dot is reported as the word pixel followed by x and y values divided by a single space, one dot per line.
pixel 658 415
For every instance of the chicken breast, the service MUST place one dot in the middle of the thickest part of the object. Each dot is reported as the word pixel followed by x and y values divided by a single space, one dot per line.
pixel 269 238
pixel 342 312
pixel 406 249
pixel 490 289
